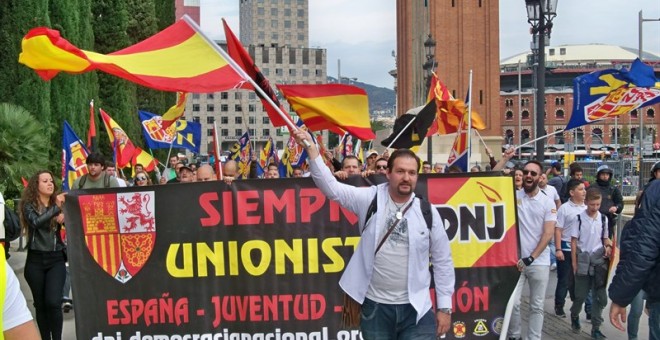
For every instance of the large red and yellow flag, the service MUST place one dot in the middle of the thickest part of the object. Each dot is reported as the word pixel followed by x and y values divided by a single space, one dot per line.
pixel 238 53
pixel 175 112
pixel 336 107
pixel 121 144
pixel 179 58
pixel 450 111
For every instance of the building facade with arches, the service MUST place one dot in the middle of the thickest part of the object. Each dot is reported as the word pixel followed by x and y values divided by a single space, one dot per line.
pixel 564 63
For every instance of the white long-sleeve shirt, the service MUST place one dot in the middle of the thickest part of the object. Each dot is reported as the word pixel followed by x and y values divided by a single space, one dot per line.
pixel 422 242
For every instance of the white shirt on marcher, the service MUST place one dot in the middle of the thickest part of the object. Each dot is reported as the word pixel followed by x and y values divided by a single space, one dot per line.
pixel 590 232
pixel 533 212
pixel 566 219
pixel 15 311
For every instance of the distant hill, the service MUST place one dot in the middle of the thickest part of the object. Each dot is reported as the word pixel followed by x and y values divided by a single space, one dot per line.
pixel 380 98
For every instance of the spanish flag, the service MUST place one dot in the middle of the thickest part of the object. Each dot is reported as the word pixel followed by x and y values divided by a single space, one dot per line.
pixel 179 58
pixel 336 107
pixel 148 162
pixel 121 144
pixel 175 112
pixel 450 111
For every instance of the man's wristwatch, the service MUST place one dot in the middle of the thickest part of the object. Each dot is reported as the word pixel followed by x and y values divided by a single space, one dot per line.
pixel 445 310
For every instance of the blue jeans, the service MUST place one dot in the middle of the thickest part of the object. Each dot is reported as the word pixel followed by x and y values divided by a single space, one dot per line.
pixel 565 280
pixel 654 320
pixel 636 308
pixel 379 321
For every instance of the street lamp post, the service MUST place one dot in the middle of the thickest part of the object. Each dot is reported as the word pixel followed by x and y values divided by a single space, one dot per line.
pixel 429 65
pixel 641 20
pixel 540 14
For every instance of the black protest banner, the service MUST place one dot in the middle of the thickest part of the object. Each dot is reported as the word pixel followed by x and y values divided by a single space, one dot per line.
pixel 261 259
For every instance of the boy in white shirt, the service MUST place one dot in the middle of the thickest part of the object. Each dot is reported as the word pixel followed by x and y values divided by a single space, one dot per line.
pixel 566 219
pixel 591 245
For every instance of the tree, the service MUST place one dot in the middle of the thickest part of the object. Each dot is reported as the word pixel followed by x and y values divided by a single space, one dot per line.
pixel 118 97
pixel 23 148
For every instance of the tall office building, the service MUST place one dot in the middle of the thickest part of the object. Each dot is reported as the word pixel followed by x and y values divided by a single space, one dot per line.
pixel 276 34
pixel 467 38
pixel 276 23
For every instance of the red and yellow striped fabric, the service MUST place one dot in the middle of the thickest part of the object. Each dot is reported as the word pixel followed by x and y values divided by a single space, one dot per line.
pixel 121 144
pixel 335 107
pixel 179 58
pixel 175 112
pixel 450 111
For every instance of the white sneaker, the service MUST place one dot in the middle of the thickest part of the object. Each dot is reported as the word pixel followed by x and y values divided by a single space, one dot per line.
pixel 553 267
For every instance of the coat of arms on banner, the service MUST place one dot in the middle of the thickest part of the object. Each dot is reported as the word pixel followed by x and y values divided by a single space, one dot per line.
pixel 120 231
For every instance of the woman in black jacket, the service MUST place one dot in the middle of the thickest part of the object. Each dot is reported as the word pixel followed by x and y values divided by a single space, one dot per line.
pixel 45 271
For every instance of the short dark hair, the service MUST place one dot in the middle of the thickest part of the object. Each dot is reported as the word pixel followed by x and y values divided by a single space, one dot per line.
pixel 343 161
pixel 533 161
pixel 110 164
pixel 575 168
pixel 402 153
pixel 272 164
pixel 426 163
pixel 95 158
pixel 380 159
pixel 573 183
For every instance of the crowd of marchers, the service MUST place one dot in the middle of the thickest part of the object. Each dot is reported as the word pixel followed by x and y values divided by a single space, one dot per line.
pixel 566 226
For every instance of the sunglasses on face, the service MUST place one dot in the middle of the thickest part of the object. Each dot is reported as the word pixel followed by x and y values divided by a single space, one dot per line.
pixel 381 167
pixel 532 172
pixel 141 178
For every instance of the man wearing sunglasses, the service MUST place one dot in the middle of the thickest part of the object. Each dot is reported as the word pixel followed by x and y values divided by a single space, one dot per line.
pixel 381 166
pixel 537 215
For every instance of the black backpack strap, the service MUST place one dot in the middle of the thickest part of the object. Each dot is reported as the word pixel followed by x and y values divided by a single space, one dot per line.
pixel 579 226
pixel 426 212
pixel 82 181
pixel 106 181
pixel 604 226
pixel 424 205
pixel 373 207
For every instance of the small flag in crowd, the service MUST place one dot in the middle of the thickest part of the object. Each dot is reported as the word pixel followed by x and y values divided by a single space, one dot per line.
pixel 122 146
pixel 411 127
pixel 294 155
pixel 449 110
pixel 175 112
pixel 74 157
pixel 241 152
pixel 183 134
pixel 91 134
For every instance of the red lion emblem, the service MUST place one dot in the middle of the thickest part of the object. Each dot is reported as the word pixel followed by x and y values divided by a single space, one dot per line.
pixel 134 207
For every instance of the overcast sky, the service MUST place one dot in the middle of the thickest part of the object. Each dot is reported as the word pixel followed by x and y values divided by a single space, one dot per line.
pixel 362 33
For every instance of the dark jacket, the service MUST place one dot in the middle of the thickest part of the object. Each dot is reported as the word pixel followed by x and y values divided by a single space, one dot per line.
pixel 611 197
pixel 639 264
pixel 42 237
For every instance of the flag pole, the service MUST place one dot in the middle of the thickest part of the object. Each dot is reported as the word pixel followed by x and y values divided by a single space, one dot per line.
pixel 481 138
pixel 243 74
pixel 401 132
pixel 542 137
pixel 216 147
pixel 469 126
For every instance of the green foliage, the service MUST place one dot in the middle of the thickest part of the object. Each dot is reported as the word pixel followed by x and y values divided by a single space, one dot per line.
pixel 23 148
pixel 164 13
pixel 377 125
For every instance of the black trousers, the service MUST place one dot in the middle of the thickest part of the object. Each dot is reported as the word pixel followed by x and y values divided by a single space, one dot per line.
pixel 45 273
